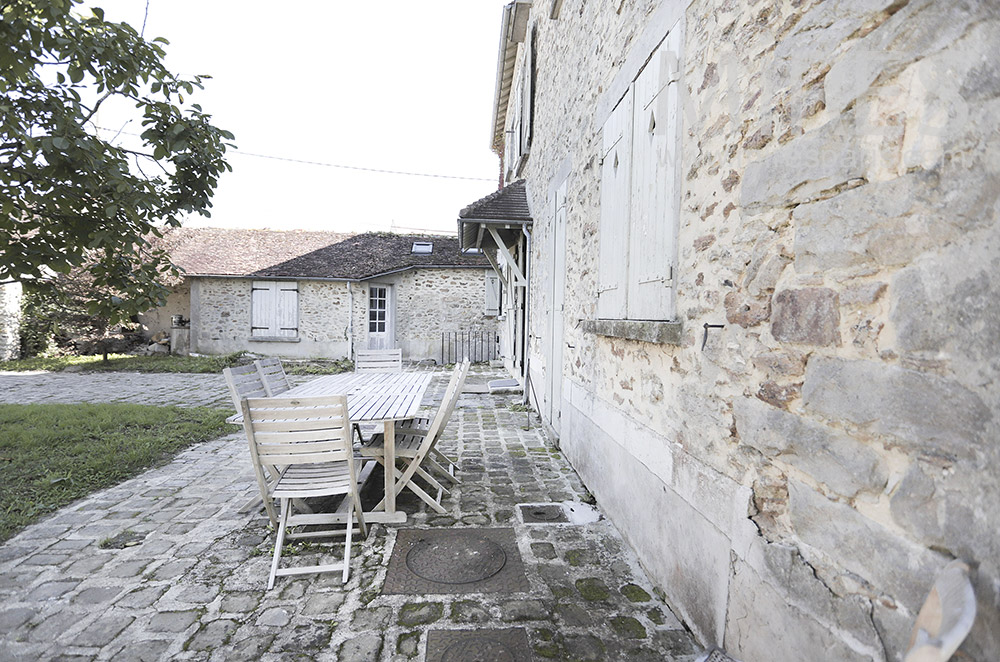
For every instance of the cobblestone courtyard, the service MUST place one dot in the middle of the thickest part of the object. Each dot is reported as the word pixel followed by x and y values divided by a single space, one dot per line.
pixel 165 566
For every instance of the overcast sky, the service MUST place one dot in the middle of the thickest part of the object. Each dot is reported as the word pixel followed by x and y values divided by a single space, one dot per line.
pixel 391 85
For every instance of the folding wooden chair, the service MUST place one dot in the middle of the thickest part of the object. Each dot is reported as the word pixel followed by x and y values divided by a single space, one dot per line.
pixel 378 360
pixel 272 373
pixel 310 438
pixel 415 447
pixel 244 382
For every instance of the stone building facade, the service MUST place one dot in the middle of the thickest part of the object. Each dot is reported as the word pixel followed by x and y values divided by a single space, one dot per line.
pixel 811 434
pixel 10 321
pixel 310 294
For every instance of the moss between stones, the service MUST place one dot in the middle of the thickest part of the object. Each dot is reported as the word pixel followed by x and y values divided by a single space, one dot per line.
pixel 635 593
pixel 656 616
pixel 408 644
pixel 628 627
pixel 592 589
pixel 420 613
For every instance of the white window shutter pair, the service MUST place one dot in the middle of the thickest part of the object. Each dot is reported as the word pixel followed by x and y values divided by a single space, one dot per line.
pixel 274 308
pixel 640 186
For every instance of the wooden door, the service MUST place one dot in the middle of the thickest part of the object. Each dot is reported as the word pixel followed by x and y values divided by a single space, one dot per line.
pixel 380 317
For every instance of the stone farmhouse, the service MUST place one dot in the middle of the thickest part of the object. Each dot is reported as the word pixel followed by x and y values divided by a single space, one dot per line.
pixel 300 294
pixel 755 284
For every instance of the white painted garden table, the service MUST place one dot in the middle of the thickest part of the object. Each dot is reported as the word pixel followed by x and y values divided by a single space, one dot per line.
pixel 379 397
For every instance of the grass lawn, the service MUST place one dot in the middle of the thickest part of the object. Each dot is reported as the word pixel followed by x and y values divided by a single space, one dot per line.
pixel 51 455
pixel 158 363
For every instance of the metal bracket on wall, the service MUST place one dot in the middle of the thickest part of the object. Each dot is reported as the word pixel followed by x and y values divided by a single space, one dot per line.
pixel 708 326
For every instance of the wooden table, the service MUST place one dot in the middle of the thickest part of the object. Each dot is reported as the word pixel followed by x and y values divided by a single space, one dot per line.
pixel 375 397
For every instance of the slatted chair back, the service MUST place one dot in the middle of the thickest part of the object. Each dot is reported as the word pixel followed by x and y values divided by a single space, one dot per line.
pixel 451 395
pixel 378 360
pixel 272 373
pixel 244 382
pixel 287 431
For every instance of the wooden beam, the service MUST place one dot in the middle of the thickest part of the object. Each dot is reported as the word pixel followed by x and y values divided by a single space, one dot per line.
pixel 496 268
pixel 514 269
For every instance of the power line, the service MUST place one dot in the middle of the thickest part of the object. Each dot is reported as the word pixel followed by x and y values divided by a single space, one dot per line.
pixel 337 165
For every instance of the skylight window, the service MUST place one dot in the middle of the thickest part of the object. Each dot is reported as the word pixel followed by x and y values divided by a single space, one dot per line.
pixel 423 247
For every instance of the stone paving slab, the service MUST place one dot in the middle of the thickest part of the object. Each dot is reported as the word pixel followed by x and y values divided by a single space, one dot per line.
pixel 164 566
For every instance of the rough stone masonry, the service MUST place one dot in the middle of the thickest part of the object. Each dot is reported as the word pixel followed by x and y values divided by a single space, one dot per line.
pixel 796 484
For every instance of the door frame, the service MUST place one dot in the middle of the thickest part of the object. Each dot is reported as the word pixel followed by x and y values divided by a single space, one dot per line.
pixel 388 335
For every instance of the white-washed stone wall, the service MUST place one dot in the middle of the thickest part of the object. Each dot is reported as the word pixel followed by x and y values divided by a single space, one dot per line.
pixel 10 321
pixel 795 485
pixel 178 303
pixel 427 303
pixel 221 319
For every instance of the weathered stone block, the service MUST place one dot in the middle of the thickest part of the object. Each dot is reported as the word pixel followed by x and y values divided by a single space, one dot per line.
pixel 809 316
pixel 744 311
pixel 889 562
pixel 929 413
pixel 800 170
pixel 831 457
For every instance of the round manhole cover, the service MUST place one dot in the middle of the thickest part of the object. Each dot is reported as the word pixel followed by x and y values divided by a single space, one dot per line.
pixel 477 649
pixel 545 513
pixel 458 560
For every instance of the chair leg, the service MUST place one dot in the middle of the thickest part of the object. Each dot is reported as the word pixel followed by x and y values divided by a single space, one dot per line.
pixel 282 522
pixel 442 471
pixel 347 545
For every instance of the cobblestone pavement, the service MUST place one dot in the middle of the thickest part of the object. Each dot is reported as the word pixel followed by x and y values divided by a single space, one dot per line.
pixel 164 566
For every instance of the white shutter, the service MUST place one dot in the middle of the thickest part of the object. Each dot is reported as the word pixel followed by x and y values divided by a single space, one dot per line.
pixel 492 306
pixel 653 223
pixel 616 167
pixel 287 315
pixel 262 308
pixel 526 72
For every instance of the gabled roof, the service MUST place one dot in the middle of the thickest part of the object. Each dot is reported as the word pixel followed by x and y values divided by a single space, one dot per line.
pixel 309 255
pixel 373 254
pixel 508 204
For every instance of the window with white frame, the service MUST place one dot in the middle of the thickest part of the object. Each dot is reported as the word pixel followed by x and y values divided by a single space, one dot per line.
pixel 640 193
pixel 274 309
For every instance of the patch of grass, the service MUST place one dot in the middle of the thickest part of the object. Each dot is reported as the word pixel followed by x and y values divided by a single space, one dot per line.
pixel 51 455
pixel 160 363
pixel 129 363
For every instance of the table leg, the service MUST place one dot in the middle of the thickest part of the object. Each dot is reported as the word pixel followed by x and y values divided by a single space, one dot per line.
pixel 389 432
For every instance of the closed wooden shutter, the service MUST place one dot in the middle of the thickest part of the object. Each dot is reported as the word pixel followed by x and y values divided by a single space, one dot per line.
pixel 274 308
pixel 616 168
pixel 492 306
pixel 262 308
pixel 287 310
pixel 653 189
pixel 526 97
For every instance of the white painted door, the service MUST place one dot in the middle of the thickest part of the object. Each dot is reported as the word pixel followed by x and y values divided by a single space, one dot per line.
pixel 553 375
pixel 380 317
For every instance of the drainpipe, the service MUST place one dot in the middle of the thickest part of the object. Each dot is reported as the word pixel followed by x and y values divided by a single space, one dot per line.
pixel 350 320
pixel 527 316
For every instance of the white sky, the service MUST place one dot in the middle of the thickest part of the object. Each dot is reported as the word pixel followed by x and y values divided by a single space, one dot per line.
pixel 395 85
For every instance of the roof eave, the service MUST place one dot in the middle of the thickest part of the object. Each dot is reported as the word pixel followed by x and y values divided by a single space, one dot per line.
pixel 513 29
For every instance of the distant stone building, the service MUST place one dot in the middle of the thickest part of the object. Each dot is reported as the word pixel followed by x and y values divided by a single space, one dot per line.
pixel 10 321
pixel 303 294
pixel 763 300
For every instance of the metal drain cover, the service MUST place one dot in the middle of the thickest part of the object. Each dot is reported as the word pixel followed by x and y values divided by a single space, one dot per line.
pixel 544 513
pixel 473 560
pixel 456 560
pixel 478 646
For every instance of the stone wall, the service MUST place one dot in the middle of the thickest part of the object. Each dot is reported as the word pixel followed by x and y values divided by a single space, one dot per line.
pixel 10 321
pixel 158 319
pixel 794 480
pixel 220 320
pixel 427 303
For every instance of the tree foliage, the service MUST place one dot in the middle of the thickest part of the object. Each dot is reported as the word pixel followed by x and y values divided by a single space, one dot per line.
pixel 72 196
